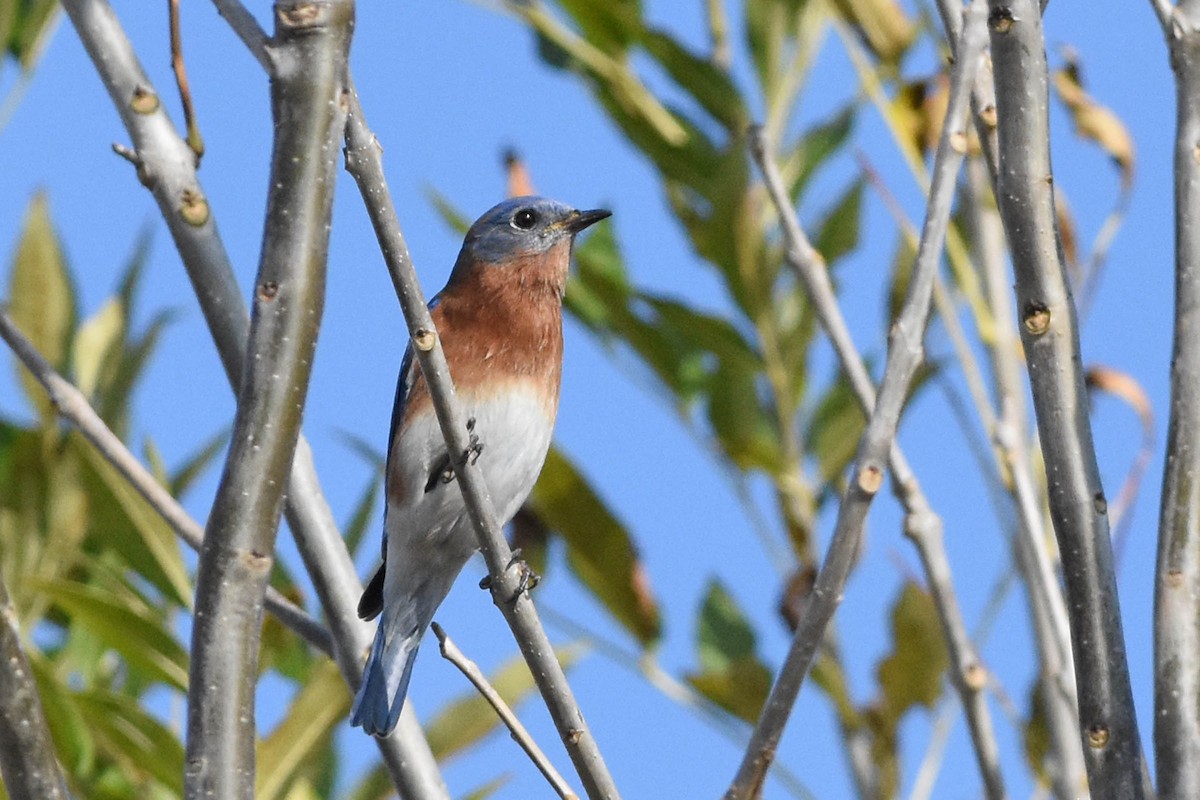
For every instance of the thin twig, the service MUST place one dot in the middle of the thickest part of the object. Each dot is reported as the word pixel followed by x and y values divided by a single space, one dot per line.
pixel 508 574
pixel 904 356
pixel 311 46
pixel 194 139
pixel 28 764
pixel 1108 721
pixel 471 670
pixel 73 406
pixel 1177 574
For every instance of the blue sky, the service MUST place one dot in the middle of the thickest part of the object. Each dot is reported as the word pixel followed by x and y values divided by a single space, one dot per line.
pixel 446 87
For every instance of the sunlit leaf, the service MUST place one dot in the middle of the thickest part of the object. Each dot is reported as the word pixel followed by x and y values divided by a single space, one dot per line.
pixel 129 525
pixel 322 702
pixel 1035 734
pixel 42 298
pixel 140 638
pixel 73 742
pixel 834 430
pixel 376 784
pixel 600 550
pixel 146 750
pixel 1091 119
pixel 612 26
pixel 94 343
pixel 882 25
pixel 465 721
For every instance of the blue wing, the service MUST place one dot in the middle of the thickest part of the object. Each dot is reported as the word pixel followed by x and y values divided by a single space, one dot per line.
pixel 371 602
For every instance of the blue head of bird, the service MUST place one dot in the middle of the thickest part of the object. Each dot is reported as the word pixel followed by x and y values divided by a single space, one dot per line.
pixel 531 236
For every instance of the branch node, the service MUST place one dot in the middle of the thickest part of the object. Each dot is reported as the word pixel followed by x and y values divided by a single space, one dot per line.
pixel 1001 19
pixel 1036 318
pixel 424 339
pixel 193 208
pixel 144 100
pixel 1097 736
pixel 870 478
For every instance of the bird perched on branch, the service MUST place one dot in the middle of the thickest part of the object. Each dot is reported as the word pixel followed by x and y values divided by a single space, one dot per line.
pixel 500 322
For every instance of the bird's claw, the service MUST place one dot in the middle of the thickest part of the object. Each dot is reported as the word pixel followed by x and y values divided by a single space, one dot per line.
pixel 475 447
pixel 526 580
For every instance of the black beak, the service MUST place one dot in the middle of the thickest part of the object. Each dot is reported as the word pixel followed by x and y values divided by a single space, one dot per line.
pixel 578 220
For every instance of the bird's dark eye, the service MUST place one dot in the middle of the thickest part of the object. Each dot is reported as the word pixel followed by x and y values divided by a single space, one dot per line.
pixel 525 219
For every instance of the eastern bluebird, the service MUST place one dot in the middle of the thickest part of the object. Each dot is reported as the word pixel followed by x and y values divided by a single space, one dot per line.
pixel 500 322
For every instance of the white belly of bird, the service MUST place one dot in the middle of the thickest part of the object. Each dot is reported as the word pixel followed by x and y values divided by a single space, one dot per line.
pixel 514 427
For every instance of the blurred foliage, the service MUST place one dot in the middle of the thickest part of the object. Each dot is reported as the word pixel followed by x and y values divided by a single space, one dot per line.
pixel 24 27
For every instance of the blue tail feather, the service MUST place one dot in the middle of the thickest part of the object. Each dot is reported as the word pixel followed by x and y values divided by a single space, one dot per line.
pixel 376 710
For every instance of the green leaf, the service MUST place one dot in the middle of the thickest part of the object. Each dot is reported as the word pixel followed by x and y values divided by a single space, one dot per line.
pixel 612 26
pixel 912 673
pixel 489 788
pixel 376 784
pixel 146 750
pixel 126 522
pixel 364 513
pixel 42 298
pixel 117 383
pixel 312 716
pixel 94 343
pixel 731 673
pixel 710 85
pixel 882 25
pixel 24 27
pixel 138 636
pixel 747 432
pixel 450 214
pixel 837 233
pixel 186 474
pixel 464 722
pixel 815 148
pixel 72 735
pixel 902 265
pixel 833 432
pixel 600 550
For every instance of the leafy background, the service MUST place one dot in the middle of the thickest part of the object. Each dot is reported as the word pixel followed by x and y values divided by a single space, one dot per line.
pixel 666 371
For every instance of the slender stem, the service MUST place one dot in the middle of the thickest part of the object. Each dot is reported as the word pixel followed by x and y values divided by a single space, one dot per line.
pixel 167 167
pixel 1108 723
pixel 905 353
pixel 471 670
pixel 1177 576
pixel 194 139
pixel 72 405
pixel 311 47
pixel 28 764
pixel 508 574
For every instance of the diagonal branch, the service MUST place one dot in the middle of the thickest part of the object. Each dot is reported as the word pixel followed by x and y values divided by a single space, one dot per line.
pixel 72 406
pixel 28 765
pixel 471 670
pixel 905 353
pixel 1177 577
pixel 167 167
pixel 1049 331
pixel 508 574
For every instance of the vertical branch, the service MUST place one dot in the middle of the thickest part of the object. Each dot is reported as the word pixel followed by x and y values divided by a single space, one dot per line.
pixel 1177 576
pixel 508 575
pixel 310 50
pixel 28 765
pixel 167 167
pixel 1052 632
pixel 1078 509
pixel 905 353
